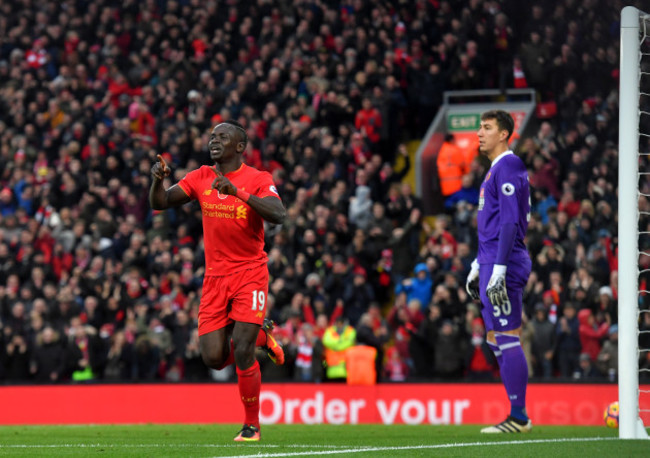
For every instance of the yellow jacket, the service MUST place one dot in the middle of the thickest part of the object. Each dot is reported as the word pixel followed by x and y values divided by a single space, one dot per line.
pixel 336 343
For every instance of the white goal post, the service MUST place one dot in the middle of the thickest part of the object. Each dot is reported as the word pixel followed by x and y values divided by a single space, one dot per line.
pixel 631 425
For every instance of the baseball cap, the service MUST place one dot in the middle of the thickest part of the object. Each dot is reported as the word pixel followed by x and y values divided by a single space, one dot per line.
pixel 606 290
pixel 421 267
pixel 359 271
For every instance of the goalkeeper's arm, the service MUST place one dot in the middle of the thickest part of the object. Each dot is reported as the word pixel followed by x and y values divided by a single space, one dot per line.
pixel 496 289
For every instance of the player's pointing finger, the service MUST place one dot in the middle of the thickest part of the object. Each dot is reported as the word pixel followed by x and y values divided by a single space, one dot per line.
pixel 215 182
pixel 163 164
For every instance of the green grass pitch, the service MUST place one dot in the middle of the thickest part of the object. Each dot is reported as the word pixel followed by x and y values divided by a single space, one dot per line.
pixel 313 440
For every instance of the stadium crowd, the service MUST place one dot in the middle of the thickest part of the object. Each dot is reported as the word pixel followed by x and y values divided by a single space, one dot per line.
pixel 96 286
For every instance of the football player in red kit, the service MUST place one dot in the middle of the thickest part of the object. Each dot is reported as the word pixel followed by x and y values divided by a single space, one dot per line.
pixel 235 200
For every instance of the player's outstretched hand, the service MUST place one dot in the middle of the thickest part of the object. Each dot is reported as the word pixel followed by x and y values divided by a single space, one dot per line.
pixel 160 169
pixel 472 285
pixel 221 183
pixel 496 289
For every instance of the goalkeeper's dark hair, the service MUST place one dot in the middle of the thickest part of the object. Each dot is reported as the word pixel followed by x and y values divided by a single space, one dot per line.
pixel 504 120
pixel 243 136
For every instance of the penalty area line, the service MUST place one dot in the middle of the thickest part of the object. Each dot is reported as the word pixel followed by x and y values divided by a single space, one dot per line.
pixel 362 449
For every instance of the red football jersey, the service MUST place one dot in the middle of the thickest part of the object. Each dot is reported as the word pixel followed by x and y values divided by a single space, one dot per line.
pixel 233 233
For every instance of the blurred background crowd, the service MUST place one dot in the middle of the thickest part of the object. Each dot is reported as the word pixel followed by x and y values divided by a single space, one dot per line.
pixel 96 286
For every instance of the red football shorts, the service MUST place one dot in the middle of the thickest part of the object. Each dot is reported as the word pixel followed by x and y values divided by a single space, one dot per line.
pixel 237 297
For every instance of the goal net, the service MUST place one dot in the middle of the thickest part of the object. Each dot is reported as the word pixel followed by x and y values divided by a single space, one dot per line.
pixel 634 224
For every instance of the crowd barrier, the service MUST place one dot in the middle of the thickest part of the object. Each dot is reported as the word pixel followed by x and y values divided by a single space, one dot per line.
pixel 290 403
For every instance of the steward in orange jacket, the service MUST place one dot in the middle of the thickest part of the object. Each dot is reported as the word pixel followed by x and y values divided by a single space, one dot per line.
pixel 451 167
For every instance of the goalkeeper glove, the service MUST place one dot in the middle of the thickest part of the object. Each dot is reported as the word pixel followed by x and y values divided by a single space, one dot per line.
pixel 496 289
pixel 471 286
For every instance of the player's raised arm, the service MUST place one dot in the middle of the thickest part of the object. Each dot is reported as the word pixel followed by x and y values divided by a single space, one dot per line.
pixel 270 208
pixel 159 197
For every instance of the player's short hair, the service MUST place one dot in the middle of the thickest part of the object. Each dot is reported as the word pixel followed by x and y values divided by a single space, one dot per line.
pixel 504 120
pixel 243 136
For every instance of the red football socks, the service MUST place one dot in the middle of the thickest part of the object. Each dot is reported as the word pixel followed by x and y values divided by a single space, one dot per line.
pixel 260 342
pixel 231 357
pixel 261 339
pixel 249 382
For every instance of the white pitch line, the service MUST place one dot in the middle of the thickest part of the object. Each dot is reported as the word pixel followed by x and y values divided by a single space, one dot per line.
pixel 333 449
pixel 421 447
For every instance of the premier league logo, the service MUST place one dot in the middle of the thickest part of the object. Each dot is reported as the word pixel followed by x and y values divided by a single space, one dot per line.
pixel 508 189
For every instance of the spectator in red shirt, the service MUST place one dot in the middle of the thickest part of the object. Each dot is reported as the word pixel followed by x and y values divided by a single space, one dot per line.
pixel 37 56
pixel 368 121
pixel 569 204
pixel 591 333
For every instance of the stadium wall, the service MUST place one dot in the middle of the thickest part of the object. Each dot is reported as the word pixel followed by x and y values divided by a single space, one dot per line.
pixel 549 404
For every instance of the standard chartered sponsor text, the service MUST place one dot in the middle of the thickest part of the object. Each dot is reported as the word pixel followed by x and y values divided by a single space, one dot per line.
pixel 218 210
